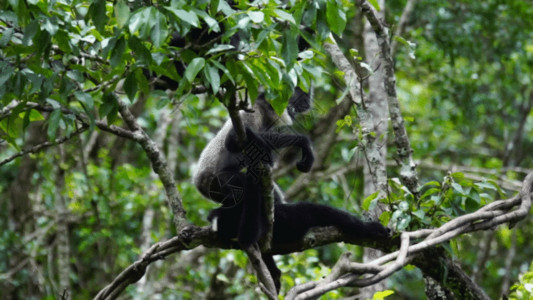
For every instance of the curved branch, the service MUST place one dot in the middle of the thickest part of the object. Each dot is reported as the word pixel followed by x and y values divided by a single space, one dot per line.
pixel 345 272
pixel 193 236
pixel 489 216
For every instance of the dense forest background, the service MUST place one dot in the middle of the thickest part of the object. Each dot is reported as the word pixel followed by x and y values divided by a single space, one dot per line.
pixel 79 198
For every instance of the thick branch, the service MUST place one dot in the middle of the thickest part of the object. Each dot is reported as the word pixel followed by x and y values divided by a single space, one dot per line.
pixel 487 217
pixel 193 236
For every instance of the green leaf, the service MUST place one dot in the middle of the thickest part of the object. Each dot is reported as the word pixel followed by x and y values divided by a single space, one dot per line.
pixel 224 70
pixel 6 37
pixel 130 86
pixel 159 30
pixel 279 103
pixel 289 47
pixel 109 108
pixel 193 68
pixel 225 8
pixel 98 14
pixel 122 13
pixel 251 83
pixel 211 73
pixel 143 84
pixel 35 115
pixel 256 16
pixel 375 4
pixel 30 31
pixel 285 16
pixel 6 73
pixel 368 200
pixel 458 188
pixel 162 102
pixel 105 108
pixel 401 40
pixel 86 99
pixel 430 192
pixel 336 17
pixel 340 124
pixel 384 218
pixel 137 19
pixel 186 16
pixel 471 205
pixel 220 48
pixel 211 22
pixel 403 206
pixel 117 52
pixel 403 222
pixel 382 295
pixel 419 214
pixel 51 26
pixel 140 50
pixel 53 123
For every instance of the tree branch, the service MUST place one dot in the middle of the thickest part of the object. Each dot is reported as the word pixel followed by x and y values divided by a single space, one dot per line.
pixel 254 252
pixel 400 27
pixel 416 247
pixel 44 145
pixel 379 178
pixel 408 173
pixel 159 164
pixel 487 217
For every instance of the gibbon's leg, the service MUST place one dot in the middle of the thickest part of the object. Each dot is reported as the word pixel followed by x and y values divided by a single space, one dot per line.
pixel 227 188
pixel 253 219
pixel 225 222
pixel 244 219
pixel 292 221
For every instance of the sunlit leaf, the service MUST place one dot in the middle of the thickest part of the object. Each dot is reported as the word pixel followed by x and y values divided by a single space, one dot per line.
pixel 186 16
pixel 193 68
pixel 211 73
pixel 122 13
pixel 336 17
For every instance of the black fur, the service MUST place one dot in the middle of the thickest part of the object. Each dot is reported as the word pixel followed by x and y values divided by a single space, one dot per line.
pixel 293 221
pixel 243 218
pixel 243 200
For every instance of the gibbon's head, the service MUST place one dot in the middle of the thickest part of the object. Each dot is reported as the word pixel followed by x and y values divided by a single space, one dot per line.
pixel 300 102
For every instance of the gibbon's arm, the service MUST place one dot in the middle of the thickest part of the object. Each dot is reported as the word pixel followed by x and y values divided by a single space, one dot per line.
pixel 263 143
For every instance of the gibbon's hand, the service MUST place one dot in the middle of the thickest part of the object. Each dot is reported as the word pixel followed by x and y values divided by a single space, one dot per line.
pixel 232 142
pixel 305 164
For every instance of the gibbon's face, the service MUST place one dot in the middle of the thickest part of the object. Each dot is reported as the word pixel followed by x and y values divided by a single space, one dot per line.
pixel 300 102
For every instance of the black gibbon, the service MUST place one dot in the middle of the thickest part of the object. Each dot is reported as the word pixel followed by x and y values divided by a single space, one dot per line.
pixel 231 175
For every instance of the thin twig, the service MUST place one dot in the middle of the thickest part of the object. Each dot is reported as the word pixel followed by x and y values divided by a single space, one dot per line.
pixel 44 145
